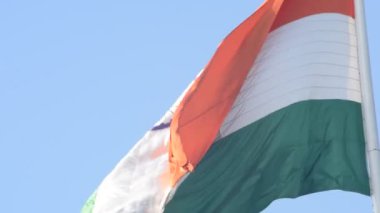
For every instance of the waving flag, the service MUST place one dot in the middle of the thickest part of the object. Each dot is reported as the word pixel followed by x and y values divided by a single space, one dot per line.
pixel 277 113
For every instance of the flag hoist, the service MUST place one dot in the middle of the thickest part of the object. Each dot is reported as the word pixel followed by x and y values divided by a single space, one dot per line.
pixel 368 106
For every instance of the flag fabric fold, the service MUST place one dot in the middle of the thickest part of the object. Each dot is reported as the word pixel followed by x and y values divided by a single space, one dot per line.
pixel 201 112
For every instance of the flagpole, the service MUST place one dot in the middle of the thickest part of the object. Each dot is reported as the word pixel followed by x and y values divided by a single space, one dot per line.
pixel 368 106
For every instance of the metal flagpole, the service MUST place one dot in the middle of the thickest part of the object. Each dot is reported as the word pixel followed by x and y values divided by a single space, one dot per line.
pixel 368 106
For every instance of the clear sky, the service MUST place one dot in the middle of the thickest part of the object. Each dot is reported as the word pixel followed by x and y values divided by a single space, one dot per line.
pixel 81 81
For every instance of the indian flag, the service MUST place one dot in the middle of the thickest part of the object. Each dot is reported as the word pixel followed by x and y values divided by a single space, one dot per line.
pixel 275 114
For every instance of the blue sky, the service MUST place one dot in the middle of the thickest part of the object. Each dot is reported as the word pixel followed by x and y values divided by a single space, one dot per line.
pixel 81 81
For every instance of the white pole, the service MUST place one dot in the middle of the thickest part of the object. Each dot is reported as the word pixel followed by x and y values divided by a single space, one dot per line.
pixel 368 106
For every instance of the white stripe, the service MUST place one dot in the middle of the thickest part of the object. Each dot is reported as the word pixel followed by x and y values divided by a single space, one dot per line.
pixel 312 58
pixel 136 184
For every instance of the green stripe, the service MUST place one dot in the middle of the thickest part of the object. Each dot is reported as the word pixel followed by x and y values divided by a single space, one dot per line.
pixel 307 147
pixel 89 205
